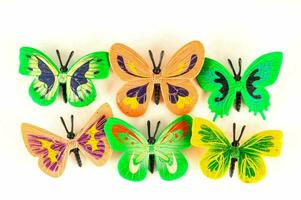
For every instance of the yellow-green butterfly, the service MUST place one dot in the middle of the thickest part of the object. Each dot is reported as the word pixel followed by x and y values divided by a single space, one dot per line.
pixel 221 155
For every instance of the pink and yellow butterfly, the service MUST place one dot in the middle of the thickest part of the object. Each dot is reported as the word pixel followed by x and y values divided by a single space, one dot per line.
pixel 52 150
pixel 174 81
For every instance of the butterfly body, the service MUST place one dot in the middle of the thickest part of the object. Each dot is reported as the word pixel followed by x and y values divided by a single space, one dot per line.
pixel 75 81
pixel 161 153
pixel 173 81
pixel 222 156
pixel 250 87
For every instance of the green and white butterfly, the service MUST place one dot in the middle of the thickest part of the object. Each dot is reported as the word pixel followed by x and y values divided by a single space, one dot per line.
pixel 76 82
pixel 225 88
pixel 162 152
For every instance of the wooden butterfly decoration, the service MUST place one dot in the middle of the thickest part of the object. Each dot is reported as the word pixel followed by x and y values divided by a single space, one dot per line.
pixel 140 154
pixel 174 81
pixel 221 155
pixel 52 150
pixel 225 89
pixel 76 82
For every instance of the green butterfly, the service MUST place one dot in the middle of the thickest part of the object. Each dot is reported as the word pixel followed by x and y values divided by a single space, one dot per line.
pixel 221 156
pixel 162 152
pixel 225 88
pixel 76 82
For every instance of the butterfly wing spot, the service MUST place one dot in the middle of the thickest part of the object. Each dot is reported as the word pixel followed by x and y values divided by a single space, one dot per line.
pixel 178 96
pixel 52 154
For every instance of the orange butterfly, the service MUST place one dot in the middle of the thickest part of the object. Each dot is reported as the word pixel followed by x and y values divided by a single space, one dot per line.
pixel 173 81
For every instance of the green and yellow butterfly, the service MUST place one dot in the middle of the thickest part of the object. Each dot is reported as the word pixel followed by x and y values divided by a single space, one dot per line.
pixel 225 89
pixel 140 154
pixel 76 82
pixel 221 155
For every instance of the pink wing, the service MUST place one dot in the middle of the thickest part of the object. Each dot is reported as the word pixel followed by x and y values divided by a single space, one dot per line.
pixel 92 140
pixel 51 149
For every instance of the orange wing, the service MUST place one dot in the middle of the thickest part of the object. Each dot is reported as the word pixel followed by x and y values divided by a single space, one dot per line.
pixel 179 93
pixel 51 149
pixel 92 140
pixel 134 97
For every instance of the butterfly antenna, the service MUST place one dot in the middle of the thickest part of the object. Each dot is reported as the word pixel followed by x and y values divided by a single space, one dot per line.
pixel 148 129
pixel 59 56
pixel 231 65
pixel 69 58
pixel 161 58
pixel 239 65
pixel 242 130
pixel 234 130
pixel 152 58
pixel 157 127
pixel 70 134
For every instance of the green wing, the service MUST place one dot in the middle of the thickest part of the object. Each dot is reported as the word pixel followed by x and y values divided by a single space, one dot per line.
pixel 44 88
pixel 215 78
pixel 251 167
pixel 80 88
pixel 123 137
pixel 261 73
pixel 170 162
pixel 216 160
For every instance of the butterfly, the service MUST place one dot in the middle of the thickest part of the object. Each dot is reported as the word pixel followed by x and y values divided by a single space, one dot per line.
pixel 174 81
pixel 221 155
pixel 140 154
pixel 76 82
pixel 225 89
pixel 52 150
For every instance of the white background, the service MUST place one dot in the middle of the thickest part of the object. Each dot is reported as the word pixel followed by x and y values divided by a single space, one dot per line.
pixel 228 29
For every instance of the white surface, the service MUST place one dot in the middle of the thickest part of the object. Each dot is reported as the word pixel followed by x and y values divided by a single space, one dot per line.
pixel 228 29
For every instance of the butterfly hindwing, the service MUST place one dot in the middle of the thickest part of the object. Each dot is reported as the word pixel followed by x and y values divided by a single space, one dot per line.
pixel 261 73
pixel 92 140
pixel 123 137
pixel 216 160
pixel 170 161
pixel 51 149
pixel 215 78
pixel 80 88
pixel 44 88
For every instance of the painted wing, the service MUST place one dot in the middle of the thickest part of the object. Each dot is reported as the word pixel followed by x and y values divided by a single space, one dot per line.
pixel 215 78
pixel 261 73
pixel 178 91
pixel 92 140
pixel 80 88
pixel 216 160
pixel 251 167
pixel 170 162
pixel 44 88
pixel 123 137
pixel 51 149
pixel 134 97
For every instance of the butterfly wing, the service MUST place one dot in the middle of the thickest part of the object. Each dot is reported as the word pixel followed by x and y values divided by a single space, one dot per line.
pixel 51 149
pixel 251 167
pixel 178 91
pixel 80 88
pixel 216 160
pixel 134 97
pixel 123 137
pixel 92 140
pixel 170 162
pixel 44 88
pixel 261 73
pixel 215 78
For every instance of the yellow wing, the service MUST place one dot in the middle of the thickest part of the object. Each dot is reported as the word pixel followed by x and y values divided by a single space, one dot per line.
pixel 251 167
pixel 216 160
